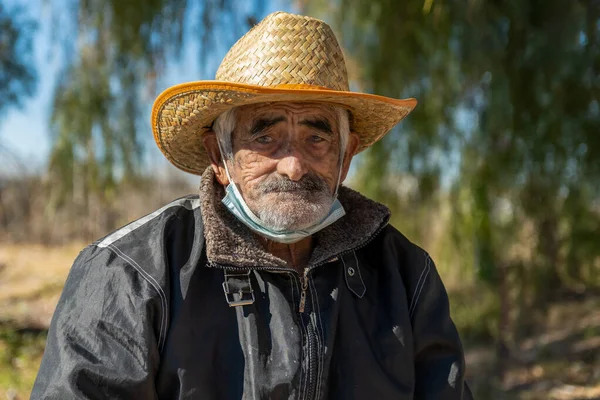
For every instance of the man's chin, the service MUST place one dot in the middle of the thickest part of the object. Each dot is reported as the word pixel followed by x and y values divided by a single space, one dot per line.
pixel 292 213
pixel 282 223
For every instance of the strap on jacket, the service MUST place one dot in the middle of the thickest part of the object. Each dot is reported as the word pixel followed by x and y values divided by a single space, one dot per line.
pixel 238 288
pixel 352 274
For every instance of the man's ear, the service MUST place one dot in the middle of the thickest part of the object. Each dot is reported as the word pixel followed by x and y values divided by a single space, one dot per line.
pixel 351 148
pixel 211 145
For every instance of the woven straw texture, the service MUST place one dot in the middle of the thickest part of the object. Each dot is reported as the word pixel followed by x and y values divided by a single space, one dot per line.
pixel 285 57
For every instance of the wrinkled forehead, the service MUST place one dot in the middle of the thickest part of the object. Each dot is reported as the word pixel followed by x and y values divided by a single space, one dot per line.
pixel 290 111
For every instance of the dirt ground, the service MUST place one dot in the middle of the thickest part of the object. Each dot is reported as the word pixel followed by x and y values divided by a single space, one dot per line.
pixel 561 361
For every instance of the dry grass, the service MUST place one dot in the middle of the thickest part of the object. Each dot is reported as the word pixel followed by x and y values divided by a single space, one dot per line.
pixel 31 280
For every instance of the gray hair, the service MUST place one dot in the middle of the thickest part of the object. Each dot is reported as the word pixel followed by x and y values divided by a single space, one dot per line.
pixel 225 124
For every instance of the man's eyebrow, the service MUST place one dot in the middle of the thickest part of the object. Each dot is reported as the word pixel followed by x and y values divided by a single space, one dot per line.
pixel 263 123
pixel 321 124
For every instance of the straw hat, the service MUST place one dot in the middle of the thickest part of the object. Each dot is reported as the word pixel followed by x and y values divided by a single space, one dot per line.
pixel 284 58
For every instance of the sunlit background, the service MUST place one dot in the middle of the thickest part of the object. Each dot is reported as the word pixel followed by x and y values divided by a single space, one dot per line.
pixel 496 173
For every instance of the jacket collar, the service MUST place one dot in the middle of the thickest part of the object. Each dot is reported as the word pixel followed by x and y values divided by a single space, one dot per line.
pixel 231 243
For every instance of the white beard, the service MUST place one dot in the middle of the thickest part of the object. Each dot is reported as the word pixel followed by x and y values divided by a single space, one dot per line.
pixel 292 211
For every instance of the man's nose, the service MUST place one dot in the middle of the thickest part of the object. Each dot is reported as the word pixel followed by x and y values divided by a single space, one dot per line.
pixel 292 165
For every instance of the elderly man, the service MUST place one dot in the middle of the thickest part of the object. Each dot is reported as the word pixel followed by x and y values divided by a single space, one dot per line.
pixel 276 281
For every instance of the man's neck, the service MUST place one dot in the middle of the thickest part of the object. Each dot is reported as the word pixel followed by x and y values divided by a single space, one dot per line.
pixel 296 254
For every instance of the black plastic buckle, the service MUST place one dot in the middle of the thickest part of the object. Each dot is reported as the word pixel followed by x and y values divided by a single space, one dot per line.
pixel 238 289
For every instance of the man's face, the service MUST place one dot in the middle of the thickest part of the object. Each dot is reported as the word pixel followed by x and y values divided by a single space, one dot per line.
pixel 286 161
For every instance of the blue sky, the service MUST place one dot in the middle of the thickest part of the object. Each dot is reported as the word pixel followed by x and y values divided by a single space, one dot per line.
pixel 25 131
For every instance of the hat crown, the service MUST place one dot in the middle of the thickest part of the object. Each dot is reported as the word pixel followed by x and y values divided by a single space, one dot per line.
pixel 286 49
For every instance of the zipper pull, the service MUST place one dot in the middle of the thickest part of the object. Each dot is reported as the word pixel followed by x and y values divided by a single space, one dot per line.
pixel 304 281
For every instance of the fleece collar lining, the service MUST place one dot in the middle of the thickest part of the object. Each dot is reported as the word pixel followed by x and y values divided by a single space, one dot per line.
pixel 231 243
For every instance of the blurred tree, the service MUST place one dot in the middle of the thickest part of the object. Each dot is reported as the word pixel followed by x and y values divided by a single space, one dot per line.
pixel 509 115
pixel 17 75
pixel 116 52
pixel 17 79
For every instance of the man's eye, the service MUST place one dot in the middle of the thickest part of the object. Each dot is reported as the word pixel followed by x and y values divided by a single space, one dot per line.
pixel 316 139
pixel 264 139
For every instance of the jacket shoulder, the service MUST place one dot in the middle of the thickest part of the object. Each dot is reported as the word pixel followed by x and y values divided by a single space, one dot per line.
pixel 156 245
pixel 184 208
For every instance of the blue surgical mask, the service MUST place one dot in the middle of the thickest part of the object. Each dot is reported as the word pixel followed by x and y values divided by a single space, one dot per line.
pixel 235 203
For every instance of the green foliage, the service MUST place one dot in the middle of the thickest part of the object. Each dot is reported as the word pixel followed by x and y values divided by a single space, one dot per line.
pixel 115 53
pixel 476 312
pixel 96 107
pixel 20 355
pixel 17 75
pixel 506 130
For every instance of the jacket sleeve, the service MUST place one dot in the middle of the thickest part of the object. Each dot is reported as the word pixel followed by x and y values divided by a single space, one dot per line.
pixel 439 357
pixel 101 342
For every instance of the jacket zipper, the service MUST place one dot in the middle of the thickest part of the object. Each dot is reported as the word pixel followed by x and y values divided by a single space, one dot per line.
pixel 312 357
pixel 304 287
pixel 311 337
pixel 301 308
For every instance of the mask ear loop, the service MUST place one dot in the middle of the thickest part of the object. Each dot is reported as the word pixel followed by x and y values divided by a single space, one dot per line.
pixel 224 161
pixel 337 186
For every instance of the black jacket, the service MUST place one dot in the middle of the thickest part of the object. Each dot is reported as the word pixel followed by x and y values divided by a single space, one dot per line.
pixel 184 304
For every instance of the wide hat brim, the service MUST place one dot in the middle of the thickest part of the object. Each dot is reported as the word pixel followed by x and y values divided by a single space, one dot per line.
pixel 182 114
